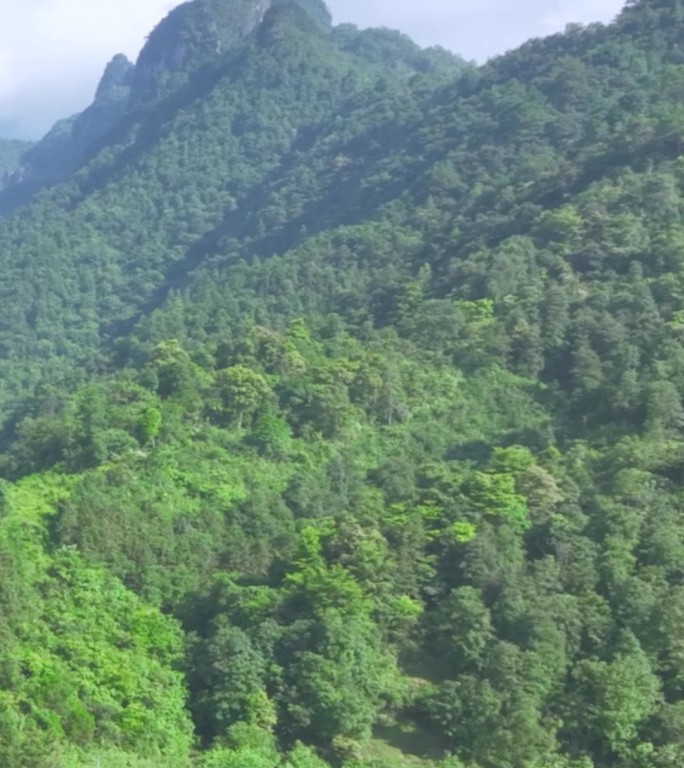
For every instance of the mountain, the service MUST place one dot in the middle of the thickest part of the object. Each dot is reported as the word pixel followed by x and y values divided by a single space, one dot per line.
pixel 219 185
pixel 194 35
pixel 67 144
pixel 341 383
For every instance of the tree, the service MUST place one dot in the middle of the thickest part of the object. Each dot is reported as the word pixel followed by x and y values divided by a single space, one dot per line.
pixel 612 701
pixel 461 631
pixel 241 391
pixel 150 425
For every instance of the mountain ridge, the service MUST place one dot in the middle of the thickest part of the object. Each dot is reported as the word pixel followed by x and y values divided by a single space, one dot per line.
pixel 207 32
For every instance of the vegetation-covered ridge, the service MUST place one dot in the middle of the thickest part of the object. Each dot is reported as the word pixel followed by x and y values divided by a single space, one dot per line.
pixel 184 56
pixel 342 389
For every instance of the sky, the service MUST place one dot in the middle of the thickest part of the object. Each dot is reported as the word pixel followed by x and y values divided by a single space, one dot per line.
pixel 52 52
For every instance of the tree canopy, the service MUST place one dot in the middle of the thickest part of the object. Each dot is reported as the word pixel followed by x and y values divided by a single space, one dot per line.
pixel 341 399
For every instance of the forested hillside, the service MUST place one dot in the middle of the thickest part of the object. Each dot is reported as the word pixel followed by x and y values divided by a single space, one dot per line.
pixel 341 388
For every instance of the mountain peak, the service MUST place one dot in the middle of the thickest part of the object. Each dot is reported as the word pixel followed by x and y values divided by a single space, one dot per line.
pixel 317 10
pixel 192 35
pixel 196 32
pixel 117 76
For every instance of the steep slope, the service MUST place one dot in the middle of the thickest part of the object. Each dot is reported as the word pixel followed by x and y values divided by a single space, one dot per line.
pixel 195 35
pixel 380 403
pixel 69 143
pixel 133 222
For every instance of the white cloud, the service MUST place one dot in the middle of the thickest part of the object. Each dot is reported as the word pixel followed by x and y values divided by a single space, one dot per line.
pixel 478 29
pixel 564 12
pixel 52 52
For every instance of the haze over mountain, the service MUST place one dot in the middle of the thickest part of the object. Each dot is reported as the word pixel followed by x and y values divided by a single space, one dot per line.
pixel 341 403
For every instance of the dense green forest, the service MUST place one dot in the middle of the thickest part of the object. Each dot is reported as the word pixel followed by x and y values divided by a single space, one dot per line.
pixel 341 403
